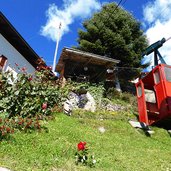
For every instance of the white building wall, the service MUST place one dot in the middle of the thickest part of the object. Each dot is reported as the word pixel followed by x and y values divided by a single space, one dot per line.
pixel 13 56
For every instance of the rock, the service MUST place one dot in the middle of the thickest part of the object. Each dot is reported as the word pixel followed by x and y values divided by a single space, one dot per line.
pixel 84 101
pixel 67 107
pixel 71 103
pixel 90 105
pixel 74 99
pixel 102 129
pixel 115 107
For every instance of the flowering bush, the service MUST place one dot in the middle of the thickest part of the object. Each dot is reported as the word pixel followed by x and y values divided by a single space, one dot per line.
pixel 5 129
pixel 82 156
pixel 28 95
pixel 44 106
pixel 8 126
pixel 27 124
pixel 27 100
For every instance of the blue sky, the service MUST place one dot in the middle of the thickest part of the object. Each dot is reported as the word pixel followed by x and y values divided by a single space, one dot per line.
pixel 38 21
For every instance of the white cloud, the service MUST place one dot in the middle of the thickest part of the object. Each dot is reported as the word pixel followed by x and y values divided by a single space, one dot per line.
pixel 157 8
pixel 157 16
pixel 72 9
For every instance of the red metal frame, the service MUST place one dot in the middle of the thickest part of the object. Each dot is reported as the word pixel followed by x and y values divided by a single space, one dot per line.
pixel 154 95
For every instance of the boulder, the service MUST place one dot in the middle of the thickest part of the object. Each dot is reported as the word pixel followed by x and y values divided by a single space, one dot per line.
pixel 91 104
pixel 71 103
pixel 84 101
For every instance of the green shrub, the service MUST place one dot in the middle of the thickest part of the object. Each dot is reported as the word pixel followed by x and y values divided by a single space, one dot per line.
pixel 26 95
pixel 6 128
pixel 127 97
pixel 112 93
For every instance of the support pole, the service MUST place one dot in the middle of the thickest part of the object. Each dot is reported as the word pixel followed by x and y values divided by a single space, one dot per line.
pixel 56 49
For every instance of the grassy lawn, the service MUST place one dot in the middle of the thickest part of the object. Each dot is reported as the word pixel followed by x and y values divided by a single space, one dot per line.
pixel 119 148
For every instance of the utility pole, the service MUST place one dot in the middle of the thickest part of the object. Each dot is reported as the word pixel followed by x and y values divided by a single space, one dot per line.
pixel 56 49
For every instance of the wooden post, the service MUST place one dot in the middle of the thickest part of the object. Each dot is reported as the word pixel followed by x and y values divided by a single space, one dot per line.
pixel 61 77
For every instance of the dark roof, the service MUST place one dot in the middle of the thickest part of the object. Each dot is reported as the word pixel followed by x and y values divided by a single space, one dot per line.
pixel 17 41
pixel 84 57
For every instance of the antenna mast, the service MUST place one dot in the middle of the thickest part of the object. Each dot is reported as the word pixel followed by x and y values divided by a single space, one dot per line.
pixel 56 49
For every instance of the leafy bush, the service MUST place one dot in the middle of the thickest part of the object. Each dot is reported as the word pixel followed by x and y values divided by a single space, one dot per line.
pixel 97 92
pixel 112 93
pixel 129 98
pixel 27 124
pixel 26 95
pixel 5 128
pixel 26 101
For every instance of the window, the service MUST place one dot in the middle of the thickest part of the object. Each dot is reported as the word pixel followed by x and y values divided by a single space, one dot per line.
pixel 156 77
pixel 167 71
pixel 3 61
pixel 150 96
pixel 139 91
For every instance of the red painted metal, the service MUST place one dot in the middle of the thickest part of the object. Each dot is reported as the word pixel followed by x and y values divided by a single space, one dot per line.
pixel 141 102
pixel 154 95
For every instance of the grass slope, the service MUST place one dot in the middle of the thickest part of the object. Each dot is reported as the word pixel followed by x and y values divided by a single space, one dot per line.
pixel 120 147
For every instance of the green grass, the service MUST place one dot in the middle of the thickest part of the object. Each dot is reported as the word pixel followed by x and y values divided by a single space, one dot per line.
pixel 119 148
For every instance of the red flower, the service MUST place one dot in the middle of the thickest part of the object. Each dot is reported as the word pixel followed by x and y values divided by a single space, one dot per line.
pixel 44 106
pixel 38 68
pixel 3 133
pixel 8 129
pixel 16 64
pixel 20 123
pixel 23 69
pixel 28 124
pixel 30 78
pixel 81 146
pixel 48 68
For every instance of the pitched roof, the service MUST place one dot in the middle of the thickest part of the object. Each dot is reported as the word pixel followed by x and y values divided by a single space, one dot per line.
pixel 84 57
pixel 16 40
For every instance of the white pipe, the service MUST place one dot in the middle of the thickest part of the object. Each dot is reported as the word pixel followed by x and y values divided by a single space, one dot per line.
pixel 56 50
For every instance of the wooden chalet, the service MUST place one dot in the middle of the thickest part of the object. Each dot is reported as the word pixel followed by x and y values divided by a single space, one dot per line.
pixel 83 66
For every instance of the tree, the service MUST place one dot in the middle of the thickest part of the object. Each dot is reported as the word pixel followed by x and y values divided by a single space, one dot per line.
pixel 115 33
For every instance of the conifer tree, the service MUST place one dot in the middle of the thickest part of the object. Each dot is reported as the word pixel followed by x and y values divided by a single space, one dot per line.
pixel 115 33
